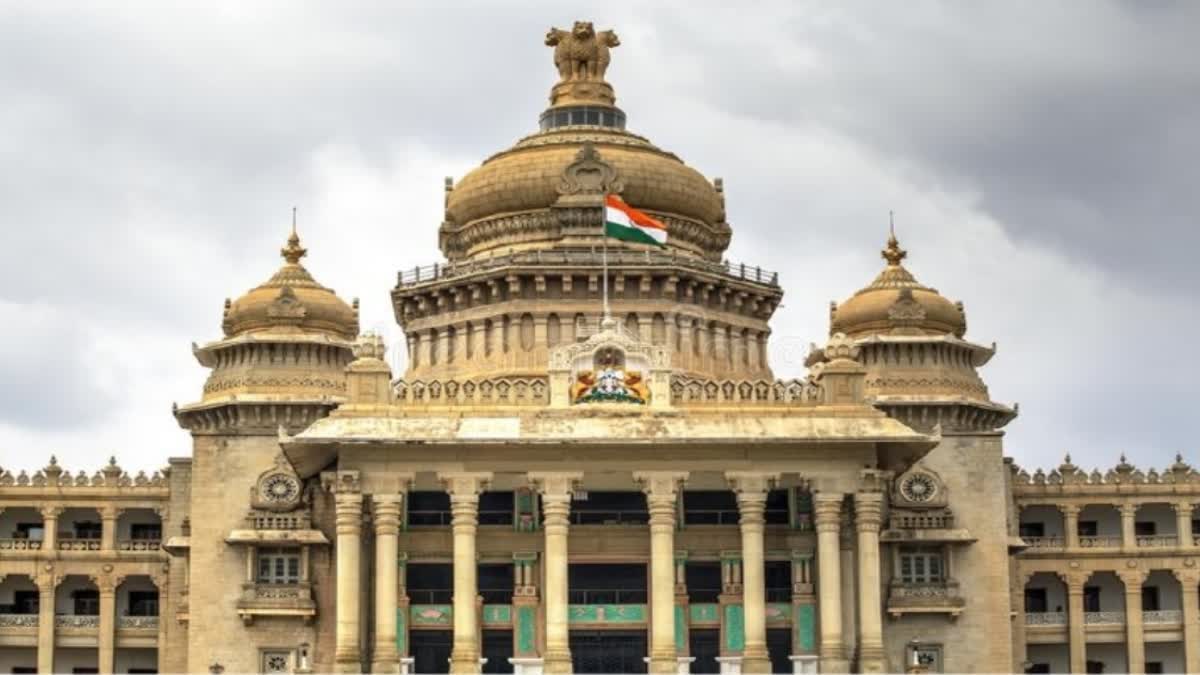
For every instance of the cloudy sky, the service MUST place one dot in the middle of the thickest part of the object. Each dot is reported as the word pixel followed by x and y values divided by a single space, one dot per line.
pixel 1041 159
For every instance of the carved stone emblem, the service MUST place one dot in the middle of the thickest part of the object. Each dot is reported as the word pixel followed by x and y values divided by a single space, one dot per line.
pixel 286 305
pixel 581 53
pixel 906 309
pixel 589 175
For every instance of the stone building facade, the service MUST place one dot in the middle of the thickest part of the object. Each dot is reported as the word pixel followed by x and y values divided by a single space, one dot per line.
pixel 553 488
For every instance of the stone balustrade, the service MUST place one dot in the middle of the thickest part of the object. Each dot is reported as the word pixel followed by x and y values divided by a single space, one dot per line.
pixel 137 622
pixel 18 620
pixel 1044 543
pixel 1045 618
pixel 76 621
pixel 79 544
pixel 1157 540
pixel 20 545
pixel 1163 616
pixel 139 545
pixel 1100 541
pixel 1104 618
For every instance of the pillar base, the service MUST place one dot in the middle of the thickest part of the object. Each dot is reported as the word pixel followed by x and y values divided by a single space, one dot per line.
pixel 406 665
pixel 756 662
pixel 347 665
pixel 730 665
pixel 385 665
pixel 559 663
pixel 530 666
pixel 466 663
pixel 803 665
pixel 834 665
pixel 664 665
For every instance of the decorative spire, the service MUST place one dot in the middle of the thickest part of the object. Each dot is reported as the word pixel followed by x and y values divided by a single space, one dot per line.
pixel 293 252
pixel 893 254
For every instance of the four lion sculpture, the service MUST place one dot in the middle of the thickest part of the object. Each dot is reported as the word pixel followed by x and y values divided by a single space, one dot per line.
pixel 581 53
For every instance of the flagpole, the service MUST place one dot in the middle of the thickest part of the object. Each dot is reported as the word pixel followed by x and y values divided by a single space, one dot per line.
pixel 604 256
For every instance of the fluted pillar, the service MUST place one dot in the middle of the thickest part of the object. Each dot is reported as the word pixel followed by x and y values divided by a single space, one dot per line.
pixel 867 506
pixel 108 529
pixel 1135 644
pixel 46 584
pixel 347 494
pixel 1183 523
pixel 1189 583
pixel 556 490
pixel 827 507
pixel 107 637
pixel 384 658
pixel 1128 531
pixel 1070 526
pixel 662 489
pixel 751 490
pixel 50 516
pixel 464 489
pixel 1076 631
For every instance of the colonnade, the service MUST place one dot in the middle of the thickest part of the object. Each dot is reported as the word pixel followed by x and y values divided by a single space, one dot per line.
pixel 662 489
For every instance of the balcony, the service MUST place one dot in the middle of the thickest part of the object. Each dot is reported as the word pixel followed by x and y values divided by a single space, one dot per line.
pixel 263 599
pixel 1100 541
pixel 18 621
pixel 80 621
pixel 1044 543
pixel 1157 541
pixel 20 544
pixel 1045 618
pixel 924 598
pixel 79 544
pixel 1109 618
pixel 137 623
pixel 139 545
pixel 1163 617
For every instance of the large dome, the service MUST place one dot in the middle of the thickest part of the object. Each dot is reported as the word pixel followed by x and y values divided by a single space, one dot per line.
pixel 518 198
pixel 896 303
pixel 291 299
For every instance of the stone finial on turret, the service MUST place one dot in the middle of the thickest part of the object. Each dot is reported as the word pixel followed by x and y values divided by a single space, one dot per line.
pixel 368 377
pixel 581 56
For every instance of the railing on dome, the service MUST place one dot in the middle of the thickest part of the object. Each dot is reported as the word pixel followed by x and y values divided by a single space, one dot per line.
pixel 616 258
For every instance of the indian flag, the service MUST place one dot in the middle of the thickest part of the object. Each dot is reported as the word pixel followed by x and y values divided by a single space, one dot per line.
pixel 622 221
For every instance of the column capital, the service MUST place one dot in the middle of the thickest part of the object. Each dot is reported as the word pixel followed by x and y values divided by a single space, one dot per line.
pixel 1069 509
pixel 107 583
pixel 386 512
pixel 1133 579
pixel 1183 508
pixel 827 511
pixel 50 512
pixel 110 512
pixel 868 511
pixel 341 483
pixel 751 483
pixel 465 485
pixel 1189 579
pixel 660 486
pixel 1128 509
pixel 555 483
pixel 1075 580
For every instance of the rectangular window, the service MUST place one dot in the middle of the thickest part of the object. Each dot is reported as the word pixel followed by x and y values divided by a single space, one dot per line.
pixel 1145 528
pixel 777 512
pixel 1150 602
pixel 145 531
pixel 33 531
pixel 778 575
pixel 703 581
pixel 1087 528
pixel 25 602
pixel 143 603
pixel 87 530
pixel 279 566
pixel 428 508
pixel 496 508
pixel 1091 598
pixel 922 565
pixel 1035 600
pixel 86 602
pixel 1033 530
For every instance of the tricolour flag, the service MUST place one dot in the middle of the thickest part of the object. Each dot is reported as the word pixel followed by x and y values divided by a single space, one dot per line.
pixel 622 221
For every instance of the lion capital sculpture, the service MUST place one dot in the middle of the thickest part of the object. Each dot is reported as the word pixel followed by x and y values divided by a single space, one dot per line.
pixel 581 53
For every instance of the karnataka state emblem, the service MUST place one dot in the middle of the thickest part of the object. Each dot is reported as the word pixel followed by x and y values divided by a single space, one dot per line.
pixel 609 382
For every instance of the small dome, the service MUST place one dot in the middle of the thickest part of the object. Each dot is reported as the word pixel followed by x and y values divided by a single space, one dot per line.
pixel 896 303
pixel 291 299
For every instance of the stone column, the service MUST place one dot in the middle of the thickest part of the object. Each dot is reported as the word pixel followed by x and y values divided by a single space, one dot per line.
pixel 827 508
pixel 662 489
pixel 867 506
pixel 1135 645
pixel 1183 523
pixel 46 583
pixel 162 584
pixel 384 658
pixel 1128 533
pixel 751 490
pixel 1189 583
pixel 464 489
pixel 108 530
pixel 347 492
pixel 556 490
pixel 50 516
pixel 1077 632
pixel 1070 526
pixel 107 638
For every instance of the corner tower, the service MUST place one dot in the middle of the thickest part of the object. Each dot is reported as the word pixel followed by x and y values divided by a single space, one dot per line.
pixel 280 366
pixel 522 238
pixel 948 530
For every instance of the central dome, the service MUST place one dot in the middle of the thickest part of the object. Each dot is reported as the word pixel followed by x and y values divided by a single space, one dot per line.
pixel 521 198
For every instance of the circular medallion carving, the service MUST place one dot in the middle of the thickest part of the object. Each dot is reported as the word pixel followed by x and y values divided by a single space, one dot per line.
pixel 280 488
pixel 918 488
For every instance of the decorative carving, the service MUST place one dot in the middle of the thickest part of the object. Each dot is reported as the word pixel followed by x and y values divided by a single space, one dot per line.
pixel 286 306
pixel 589 174
pixel 919 488
pixel 906 311
pixel 581 53
pixel 277 488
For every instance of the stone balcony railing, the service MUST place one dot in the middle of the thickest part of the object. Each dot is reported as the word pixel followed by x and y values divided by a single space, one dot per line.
pixel 942 519
pixel 1161 616
pixel 1045 543
pixel 139 545
pixel 137 622
pixel 79 544
pixel 18 620
pixel 270 520
pixel 20 544
pixel 76 621
pixel 924 597
pixel 1100 541
pixel 1157 541
pixel 1045 618
pixel 1109 618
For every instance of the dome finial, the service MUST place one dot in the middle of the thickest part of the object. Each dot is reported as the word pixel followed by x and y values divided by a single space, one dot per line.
pixel 293 252
pixel 893 254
